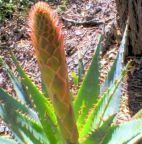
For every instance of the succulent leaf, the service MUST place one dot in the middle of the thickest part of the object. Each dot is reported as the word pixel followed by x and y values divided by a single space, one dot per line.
pixel 31 128
pixel 137 139
pixel 114 74
pixel 80 69
pixel 96 115
pixel 90 88
pixel 42 105
pixel 11 121
pixel 98 135
pixel 106 99
pixel 17 85
pixel 110 77
pixel 6 140
pixel 17 104
pixel 117 134
pixel 75 78
pixel 23 126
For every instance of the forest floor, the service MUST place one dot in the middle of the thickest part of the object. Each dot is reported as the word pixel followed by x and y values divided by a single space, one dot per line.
pixel 82 21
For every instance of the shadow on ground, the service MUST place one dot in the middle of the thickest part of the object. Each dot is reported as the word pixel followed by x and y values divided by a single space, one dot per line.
pixel 134 87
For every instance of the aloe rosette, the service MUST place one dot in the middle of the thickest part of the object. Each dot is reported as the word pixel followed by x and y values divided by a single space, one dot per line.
pixel 50 116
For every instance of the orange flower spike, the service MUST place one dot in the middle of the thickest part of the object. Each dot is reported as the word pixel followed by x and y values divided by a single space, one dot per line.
pixel 48 42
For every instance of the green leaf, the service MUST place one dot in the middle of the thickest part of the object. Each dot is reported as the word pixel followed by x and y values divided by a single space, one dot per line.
pixel 75 78
pixel 90 88
pixel 114 74
pixel 16 104
pixel 110 77
pixel 96 114
pixel 17 85
pixel 10 119
pixel 31 128
pixel 6 140
pixel 41 104
pixel 80 69
pixel 135 140
pixel 122 133
pixel 97 136
pixel 25 128
pixel 104 102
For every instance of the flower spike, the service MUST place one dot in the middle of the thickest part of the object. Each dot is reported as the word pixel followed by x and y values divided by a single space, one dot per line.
pixel 48 42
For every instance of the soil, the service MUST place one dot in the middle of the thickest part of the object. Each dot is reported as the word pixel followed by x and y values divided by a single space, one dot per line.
pixel 80 37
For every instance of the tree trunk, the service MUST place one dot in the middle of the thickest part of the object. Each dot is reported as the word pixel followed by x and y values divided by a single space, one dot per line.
pixel 133 10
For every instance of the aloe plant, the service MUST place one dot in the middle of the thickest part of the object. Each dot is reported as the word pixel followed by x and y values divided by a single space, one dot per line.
pixel 51 117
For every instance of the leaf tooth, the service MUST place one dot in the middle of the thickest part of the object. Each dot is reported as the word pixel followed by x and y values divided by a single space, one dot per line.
pixel 27 116
pixel 85 136
pixel 30 128
pixel 86 119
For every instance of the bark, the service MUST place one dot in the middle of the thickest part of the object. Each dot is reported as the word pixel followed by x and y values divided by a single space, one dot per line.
pixel 133 10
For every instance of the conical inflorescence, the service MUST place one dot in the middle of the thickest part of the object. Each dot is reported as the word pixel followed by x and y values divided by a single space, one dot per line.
pixel 48 42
